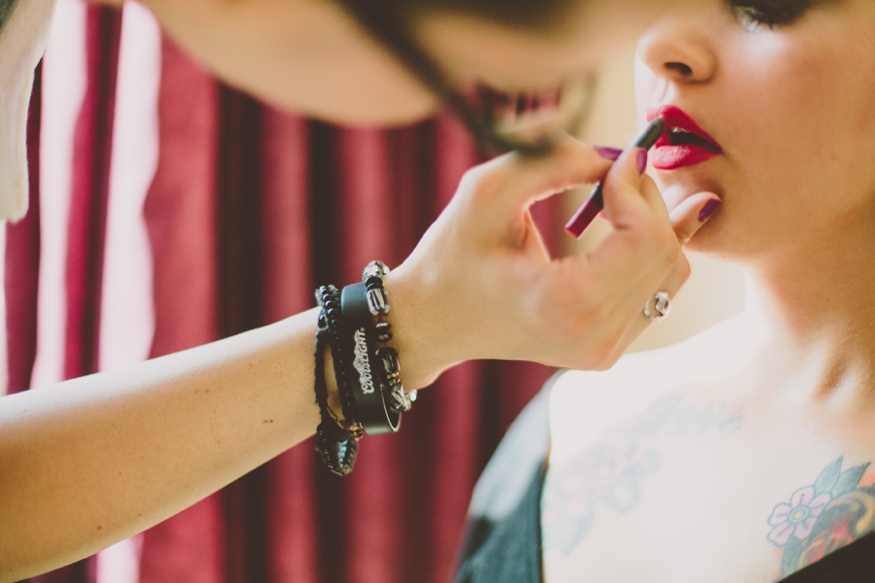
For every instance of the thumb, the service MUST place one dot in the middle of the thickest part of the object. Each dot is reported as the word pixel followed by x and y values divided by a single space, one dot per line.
pixel 689 216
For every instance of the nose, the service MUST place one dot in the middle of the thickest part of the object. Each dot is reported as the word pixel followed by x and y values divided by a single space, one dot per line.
pixel 675 49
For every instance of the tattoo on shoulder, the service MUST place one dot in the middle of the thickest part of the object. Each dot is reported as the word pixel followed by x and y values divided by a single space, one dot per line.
pixel 834 511
pixel 608 475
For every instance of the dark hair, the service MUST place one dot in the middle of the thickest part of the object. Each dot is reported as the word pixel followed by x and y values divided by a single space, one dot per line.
pixel 5 9
pixel 390 23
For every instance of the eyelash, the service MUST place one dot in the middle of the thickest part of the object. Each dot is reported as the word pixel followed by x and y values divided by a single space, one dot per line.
pixel 771 13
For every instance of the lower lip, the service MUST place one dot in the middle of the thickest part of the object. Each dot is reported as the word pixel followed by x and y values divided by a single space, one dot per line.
pixel 671 157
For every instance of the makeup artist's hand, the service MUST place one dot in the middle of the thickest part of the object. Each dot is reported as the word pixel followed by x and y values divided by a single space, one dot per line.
pixel 481 284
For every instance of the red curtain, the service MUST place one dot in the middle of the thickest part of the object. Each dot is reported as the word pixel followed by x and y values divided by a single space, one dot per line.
pixel 249 211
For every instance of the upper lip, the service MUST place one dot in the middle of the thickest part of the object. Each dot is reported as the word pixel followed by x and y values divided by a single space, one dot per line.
pixel 675 117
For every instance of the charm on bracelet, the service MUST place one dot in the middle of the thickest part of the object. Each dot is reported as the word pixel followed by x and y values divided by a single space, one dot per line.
pixel 378 301
pixel 384 333
pixel 397 399
pixel 378 298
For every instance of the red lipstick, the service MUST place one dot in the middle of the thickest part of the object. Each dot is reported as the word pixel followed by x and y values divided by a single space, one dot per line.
pixel 683 143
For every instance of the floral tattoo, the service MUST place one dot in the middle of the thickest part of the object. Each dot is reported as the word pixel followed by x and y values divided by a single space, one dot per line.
pixel 609 474
pixel 834 511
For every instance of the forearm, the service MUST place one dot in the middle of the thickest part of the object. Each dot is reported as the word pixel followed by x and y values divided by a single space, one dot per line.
pixel 91 461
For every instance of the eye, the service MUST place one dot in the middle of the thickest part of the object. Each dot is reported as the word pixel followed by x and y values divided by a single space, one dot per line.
pixel 771 13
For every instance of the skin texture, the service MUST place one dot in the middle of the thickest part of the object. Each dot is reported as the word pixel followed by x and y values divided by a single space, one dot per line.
pixel 91 461
pixel 790 106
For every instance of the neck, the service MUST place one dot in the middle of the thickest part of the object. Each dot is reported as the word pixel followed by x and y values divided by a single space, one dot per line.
pixel 818 304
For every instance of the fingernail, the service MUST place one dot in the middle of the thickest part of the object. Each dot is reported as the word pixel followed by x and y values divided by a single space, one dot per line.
pixel 642 160
pixel 709 209
pixel 607 152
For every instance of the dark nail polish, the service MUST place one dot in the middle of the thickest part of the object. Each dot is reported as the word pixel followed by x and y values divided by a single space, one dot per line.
pixel 709 209
pixel 642 160
pixel 607 152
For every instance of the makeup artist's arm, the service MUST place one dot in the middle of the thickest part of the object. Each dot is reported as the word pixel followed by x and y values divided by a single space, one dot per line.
pixel 91 461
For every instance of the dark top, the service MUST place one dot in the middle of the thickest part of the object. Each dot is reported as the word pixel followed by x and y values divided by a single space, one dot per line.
pixel 503 542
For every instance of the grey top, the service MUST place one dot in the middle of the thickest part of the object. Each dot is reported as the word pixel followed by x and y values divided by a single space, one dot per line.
pixel 503 542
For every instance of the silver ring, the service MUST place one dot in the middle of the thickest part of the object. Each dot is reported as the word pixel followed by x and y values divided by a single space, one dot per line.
pixel 657 307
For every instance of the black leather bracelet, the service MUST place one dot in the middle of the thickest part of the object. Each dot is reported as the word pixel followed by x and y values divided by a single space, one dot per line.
pixel 366 380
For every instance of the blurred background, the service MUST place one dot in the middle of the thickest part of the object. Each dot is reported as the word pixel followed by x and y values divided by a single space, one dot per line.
pixel 168 210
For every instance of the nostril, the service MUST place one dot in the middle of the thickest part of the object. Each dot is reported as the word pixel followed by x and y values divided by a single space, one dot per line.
pixel 681 68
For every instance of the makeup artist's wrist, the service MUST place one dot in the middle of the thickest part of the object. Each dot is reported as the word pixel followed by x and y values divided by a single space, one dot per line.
pixel 420 330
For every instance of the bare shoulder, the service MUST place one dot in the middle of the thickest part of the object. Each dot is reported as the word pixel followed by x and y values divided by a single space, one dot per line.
pixel 631 450
pixel 673 466
pixel 585 404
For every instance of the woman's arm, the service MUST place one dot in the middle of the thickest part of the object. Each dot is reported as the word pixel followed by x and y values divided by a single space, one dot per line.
pixel 91 461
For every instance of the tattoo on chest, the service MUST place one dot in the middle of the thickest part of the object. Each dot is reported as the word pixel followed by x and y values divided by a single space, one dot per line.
pixel 608 476
pixel 834 511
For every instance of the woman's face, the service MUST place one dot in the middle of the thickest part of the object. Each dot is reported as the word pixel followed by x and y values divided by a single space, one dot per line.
pixel 310 56
pixel 784 100
pixel 519 58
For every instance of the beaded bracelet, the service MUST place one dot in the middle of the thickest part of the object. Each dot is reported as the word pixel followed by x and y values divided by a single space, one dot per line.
pixel 378 304
pixel 331 305
pixel 336 442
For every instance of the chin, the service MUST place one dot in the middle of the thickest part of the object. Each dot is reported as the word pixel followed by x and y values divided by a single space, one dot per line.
pixel 719 240
pixel 373 113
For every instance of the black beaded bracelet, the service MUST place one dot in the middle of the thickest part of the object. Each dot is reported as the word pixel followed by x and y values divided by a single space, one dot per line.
pixel 336 442
pixel 333 311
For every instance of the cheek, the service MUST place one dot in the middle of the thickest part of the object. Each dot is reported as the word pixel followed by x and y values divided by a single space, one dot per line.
pixel 821 95
pixel 862 117
pixel 813 127
pixel 646 85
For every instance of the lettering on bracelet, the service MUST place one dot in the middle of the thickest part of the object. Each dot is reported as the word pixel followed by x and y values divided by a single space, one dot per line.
pixel 361 362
